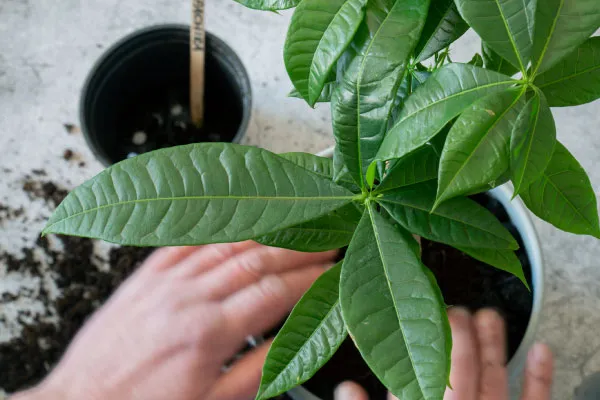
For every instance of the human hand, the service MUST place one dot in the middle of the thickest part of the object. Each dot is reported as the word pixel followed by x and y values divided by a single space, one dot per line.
pixel 169 329
pixel 479 362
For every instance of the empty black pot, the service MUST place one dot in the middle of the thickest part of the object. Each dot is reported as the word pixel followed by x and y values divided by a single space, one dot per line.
pixel 136 99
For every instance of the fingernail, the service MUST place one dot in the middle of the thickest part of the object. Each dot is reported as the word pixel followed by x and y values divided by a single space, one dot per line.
pixel 539 353
pixel 344 391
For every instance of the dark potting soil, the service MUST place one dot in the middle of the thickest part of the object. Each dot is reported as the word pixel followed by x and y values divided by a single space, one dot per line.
pixel 25 360
pixel 464 281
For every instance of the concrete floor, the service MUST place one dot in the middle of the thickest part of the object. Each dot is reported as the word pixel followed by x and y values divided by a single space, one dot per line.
pixel 47 47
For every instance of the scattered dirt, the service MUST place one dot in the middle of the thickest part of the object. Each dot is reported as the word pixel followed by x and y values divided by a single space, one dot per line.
pixel 71 129
pixel 68 154
pixel 45 190
pixel 73 268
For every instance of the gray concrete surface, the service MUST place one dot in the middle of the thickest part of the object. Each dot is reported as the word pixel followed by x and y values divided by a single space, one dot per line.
pixel 47 48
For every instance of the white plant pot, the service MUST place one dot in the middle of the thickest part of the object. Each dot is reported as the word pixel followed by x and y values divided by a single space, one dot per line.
pixel 520 218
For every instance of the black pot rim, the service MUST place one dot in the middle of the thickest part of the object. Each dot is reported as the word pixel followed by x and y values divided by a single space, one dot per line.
pixel 95 75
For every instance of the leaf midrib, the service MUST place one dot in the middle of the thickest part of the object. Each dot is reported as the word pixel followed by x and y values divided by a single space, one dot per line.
pixel 387 280
pixel 573 207
pixel 511 81
pixel 331 310
pixel 585 71
pixel 195 198
pixel 358 85
pixel 479 143
pixel 435 212
pixel 510 38
pixel 550 35
pixel 531 133
pixel 312 62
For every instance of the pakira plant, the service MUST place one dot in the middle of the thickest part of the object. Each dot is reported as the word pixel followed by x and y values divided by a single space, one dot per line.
pixel 416 135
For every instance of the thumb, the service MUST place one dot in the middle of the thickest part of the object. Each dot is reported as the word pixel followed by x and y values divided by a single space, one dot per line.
pixel 350 391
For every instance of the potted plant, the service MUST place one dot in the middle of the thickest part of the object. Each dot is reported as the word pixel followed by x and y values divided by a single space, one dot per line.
pixel 414 140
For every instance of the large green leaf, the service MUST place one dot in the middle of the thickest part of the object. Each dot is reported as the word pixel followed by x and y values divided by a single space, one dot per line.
pixel 392 310
pixel 477 147
pixel 493 61
pixel 362 103
pixel 576 80
pixel 443 96
pixel 505 260
pixel 457 222
pixel 310 336
pixel 328 232
pixel 560 27
pixel 443 26
pixel 507 26
pixel 532 142
pixel 325 96
pixel 564 196
pixel 195 194
pixel 269 5
pixel 318 34
pixel 420 166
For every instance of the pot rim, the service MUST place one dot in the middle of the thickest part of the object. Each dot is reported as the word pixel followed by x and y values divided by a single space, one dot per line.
pixel 93 78
pixel 520 218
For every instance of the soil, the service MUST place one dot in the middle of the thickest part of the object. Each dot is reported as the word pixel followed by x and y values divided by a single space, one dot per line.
pixel 82 286
pixel 464 281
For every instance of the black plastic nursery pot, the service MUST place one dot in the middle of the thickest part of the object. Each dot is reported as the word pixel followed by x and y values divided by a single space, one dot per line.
pixel 136 98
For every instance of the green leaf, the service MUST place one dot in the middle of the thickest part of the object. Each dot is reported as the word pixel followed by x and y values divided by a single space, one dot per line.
pixel 196 194
pixel 446 93
pixel 362 103
pixel 443 26
pixel 477 60
pixel 445 322
pixel 318 34
pixel 532 142
pixel 494 62
pixel 564 196
pixel 392 310
pixel 457 222
pixel 575 80
pixel 504 260
pixel 419 78
pixel 477 147
pixel 269 5
pixel 311 335
pixel 325 96
pixel 507 26
pixel 328 232
pixel 322 166
pixel 561 26
pixel 419 166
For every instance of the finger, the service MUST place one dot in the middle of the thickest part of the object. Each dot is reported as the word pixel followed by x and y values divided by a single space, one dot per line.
pixel 391 397
pixel 207 257
pixel 261 306
pixel 493 384
pixel 350 391
pixel 464 369
pixel 242 380
pixel 251 266
pixel 167 257
pixel 538 373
